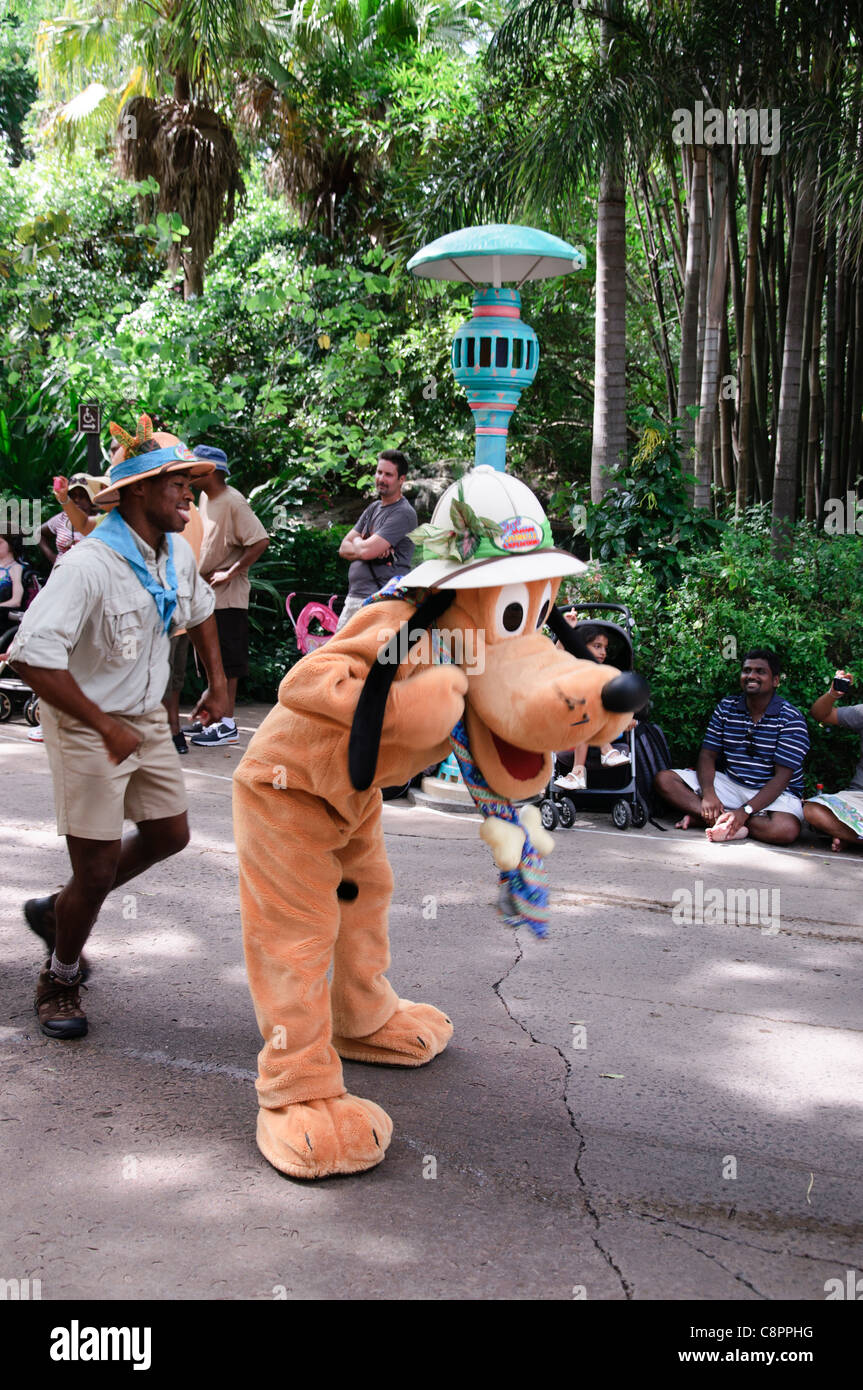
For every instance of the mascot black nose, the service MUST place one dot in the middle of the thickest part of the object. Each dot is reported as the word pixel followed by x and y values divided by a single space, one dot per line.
pixel 626 692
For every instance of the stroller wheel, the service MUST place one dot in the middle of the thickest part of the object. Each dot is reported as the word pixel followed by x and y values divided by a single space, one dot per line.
pixel 566 812
pixel 639 813
pixel 548 814
pixel 31 710
pixel 5 706
pixel 621 815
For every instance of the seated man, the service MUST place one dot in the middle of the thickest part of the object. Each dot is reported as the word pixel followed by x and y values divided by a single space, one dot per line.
pixel 839 815
pixel 763 741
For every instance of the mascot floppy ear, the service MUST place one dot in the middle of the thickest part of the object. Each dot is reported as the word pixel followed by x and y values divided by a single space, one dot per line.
pixel 368 721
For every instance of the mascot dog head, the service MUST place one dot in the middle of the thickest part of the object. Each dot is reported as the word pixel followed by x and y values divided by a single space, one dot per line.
pixel 487 580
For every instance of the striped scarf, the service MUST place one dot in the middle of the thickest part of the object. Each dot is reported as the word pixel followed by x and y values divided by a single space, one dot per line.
pixel 523 891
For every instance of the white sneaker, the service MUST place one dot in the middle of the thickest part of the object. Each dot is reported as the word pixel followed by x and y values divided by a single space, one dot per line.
pixel 572 782
pixel 214 735
pixel 35 734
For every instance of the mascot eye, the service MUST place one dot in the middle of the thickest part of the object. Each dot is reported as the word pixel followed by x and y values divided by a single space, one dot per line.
pixel 544 606
pixel 510 613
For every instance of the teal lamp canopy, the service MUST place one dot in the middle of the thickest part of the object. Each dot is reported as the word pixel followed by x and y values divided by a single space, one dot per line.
pixel 495 354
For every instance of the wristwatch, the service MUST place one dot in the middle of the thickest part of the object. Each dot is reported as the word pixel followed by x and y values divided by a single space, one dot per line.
pixel 748 809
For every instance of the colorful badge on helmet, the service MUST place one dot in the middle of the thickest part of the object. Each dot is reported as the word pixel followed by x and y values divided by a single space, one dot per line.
pixel 519 533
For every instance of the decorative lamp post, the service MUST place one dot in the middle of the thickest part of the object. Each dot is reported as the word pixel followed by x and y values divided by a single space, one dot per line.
pixel 495 354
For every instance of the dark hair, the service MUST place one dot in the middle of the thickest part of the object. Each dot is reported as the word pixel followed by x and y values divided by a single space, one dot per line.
pixel 397 457
pixel 14 542
pixel 762 654
pixel 588 632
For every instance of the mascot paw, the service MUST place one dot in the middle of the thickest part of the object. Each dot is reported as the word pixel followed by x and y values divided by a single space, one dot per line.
pixel 505 840
pixel 414 1034
pixel 532 821
pixel 319 1138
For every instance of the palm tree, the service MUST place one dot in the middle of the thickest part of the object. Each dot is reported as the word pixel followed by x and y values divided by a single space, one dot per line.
pixel 324 104
pixel 156 71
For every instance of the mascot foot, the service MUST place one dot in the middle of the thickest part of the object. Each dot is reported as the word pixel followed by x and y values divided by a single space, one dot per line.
pixel 318 1138
pixel 414 1034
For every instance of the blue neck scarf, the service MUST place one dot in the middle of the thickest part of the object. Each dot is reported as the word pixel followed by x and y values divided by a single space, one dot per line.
pixel 117 534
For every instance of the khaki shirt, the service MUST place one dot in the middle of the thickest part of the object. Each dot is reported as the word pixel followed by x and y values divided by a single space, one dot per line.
pixel 96 620
pixel 229 526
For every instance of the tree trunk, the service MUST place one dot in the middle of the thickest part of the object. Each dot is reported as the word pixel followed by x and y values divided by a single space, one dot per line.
pixel 717 279
pixel 609 406
pixel 687 376
pixel 744 463
pixel 816 400
pixel 785 471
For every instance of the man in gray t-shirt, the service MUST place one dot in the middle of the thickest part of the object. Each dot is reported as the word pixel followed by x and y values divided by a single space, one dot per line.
pixel 377 547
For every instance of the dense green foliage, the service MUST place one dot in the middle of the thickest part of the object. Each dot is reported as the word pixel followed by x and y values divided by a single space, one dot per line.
pixel 690 638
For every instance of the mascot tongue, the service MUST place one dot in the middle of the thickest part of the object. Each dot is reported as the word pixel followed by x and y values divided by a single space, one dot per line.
pixel 518 762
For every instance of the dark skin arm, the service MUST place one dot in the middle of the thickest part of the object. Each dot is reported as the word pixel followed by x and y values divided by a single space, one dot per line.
pixel 824 709
pixel 214 701
pixel 49 550
pixel 61 690
pixel 711 807
pixel 246 560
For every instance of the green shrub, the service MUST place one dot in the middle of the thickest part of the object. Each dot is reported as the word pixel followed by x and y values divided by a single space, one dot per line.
pixel 690 637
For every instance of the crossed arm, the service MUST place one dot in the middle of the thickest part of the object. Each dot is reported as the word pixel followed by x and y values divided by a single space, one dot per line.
pixel 356 547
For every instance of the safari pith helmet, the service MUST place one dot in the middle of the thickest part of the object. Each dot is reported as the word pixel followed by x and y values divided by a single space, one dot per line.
pixel 487 529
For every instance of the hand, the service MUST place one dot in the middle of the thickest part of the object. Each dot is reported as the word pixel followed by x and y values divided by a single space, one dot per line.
pixel 842 676
pixel 571 617
pixel 219 577
pixel 121 740
pixel 60 488
pixel 711 807
pixel 212 705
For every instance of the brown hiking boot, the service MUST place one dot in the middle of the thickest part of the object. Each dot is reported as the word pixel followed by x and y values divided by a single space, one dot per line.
pixel 59 1006
pixel 39 913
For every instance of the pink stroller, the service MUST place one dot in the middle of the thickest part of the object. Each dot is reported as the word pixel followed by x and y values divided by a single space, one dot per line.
pixel 322 614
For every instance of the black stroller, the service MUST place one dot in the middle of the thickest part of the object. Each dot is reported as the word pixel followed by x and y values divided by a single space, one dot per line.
pixel 611 788
pixel 13 691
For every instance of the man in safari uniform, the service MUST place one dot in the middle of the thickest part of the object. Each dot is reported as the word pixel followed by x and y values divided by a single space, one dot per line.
pixel 94 646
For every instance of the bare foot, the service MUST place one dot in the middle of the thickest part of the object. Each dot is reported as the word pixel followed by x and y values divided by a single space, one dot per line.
pixel 683 824
pixel 720 833
pixel 837 845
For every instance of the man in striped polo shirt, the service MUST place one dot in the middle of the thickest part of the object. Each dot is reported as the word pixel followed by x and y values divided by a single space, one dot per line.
pixel 761 740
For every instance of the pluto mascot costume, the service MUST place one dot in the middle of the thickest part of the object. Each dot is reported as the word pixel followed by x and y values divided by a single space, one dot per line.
pixel 382 700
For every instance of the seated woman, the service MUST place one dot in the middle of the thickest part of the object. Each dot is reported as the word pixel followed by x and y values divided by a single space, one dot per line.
pixel 840 814
pixel 594 644
pixel 11 571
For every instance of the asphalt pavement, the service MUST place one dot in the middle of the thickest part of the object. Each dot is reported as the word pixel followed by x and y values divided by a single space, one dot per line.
pixel 662 1100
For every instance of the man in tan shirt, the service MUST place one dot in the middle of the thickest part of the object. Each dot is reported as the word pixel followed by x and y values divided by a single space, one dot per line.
pixel 233 540
pixel 94 646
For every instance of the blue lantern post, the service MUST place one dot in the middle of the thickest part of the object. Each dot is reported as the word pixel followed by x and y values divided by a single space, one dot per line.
pixel 495 354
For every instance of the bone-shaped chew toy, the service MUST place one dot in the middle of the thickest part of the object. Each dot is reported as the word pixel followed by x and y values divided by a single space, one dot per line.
pixel 506 840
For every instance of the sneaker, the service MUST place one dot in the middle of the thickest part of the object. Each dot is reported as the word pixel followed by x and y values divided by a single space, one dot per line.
pixel 35 734
pixel 39 913
pixel 615 757
pixel 180 743
pixel 196 728
pixel 58 1006
pixel 215 735
pixel 572 782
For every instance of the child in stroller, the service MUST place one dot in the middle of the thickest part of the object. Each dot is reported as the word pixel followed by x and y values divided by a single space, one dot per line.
pixel 590 641
pixel 19 585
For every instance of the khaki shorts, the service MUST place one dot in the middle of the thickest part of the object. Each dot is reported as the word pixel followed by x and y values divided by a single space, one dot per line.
pixel 92 795
pixel 733 794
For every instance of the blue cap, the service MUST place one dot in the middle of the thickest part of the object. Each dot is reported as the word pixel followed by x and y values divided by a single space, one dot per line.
pixel 213 455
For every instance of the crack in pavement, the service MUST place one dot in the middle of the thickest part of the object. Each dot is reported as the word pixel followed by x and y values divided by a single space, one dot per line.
pixel 738 1278
pixel 588 1205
